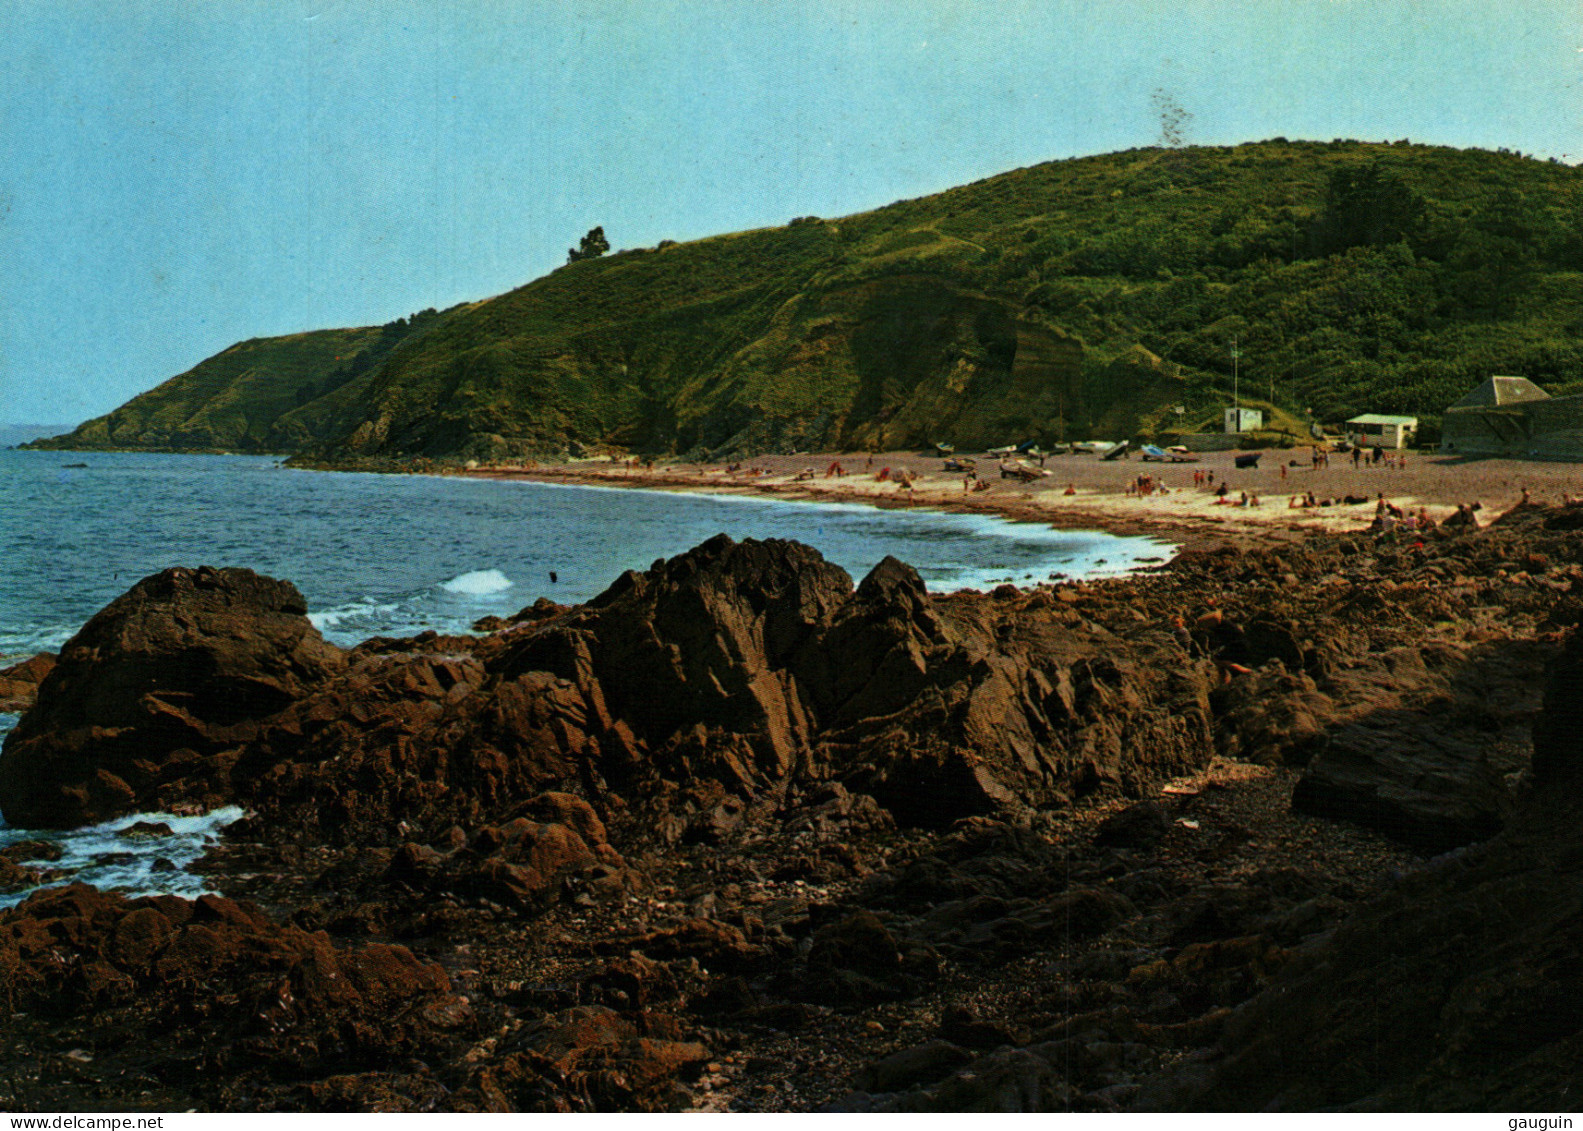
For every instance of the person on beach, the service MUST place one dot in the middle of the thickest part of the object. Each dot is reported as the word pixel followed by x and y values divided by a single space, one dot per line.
pixel 1222 491
pixel 1357 455
pixel 1070 490
pixel 1283 473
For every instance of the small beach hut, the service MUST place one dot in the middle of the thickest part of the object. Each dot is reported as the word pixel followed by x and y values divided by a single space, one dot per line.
pixel 1377 430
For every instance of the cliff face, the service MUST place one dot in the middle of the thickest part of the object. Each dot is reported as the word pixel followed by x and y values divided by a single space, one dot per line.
pixel 1081 298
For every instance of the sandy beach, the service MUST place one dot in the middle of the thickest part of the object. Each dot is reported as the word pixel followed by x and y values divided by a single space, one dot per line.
pixel 1186 512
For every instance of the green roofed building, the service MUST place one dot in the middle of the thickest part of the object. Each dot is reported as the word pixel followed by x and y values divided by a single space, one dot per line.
pixel 1375 430
pixel 1511 416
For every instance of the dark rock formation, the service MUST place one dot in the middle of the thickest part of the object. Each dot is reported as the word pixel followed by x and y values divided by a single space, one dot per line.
pixel 223 978
pixel 1460 989
pixel 1408 775
pixel 697 693
pixel 587 1059
pixel 738 835
pixel 152 701
pixel 19 682
pixel 521 862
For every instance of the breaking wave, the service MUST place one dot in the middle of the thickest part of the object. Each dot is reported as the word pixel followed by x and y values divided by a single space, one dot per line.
pixel 478 583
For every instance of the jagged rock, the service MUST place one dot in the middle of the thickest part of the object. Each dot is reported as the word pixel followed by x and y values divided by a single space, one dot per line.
pixel 164 684
pixel 25 850
pixel 520 863
pixel 1272 716
pixel 700 691
pixel 719 946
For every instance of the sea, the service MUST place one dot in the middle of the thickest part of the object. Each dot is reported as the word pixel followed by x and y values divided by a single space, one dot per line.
pixel 393 555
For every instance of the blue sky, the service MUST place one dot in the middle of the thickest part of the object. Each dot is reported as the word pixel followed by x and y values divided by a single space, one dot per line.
pixel 177 177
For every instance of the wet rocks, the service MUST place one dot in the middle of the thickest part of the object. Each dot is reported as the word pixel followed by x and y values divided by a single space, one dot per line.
pixel 19 682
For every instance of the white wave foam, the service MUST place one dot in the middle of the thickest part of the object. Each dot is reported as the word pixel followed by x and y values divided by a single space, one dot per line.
pixel 357 610
pixel 156 865
pixel 478 583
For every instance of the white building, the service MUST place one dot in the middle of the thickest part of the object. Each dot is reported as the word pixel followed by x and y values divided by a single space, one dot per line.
pixel 1374 430
pixel 1244 419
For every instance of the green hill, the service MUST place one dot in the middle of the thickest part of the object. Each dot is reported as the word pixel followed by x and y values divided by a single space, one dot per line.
pixel 1076 298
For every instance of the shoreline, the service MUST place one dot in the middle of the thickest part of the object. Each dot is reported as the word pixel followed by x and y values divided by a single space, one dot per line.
pixel 1187 515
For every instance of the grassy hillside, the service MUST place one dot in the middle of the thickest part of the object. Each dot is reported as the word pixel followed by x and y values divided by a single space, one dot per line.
pixel 1082 297
pixel 229 402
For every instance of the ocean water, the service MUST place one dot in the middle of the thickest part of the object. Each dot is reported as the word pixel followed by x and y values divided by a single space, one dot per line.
pixel 106 857
pixel 397 554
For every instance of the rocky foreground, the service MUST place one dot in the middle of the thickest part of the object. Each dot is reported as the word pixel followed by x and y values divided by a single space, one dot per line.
pixel 1292 828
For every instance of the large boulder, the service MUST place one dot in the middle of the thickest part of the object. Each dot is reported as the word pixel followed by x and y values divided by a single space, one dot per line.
pixel 167 682
pixel 1408 775
pixel 705 639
